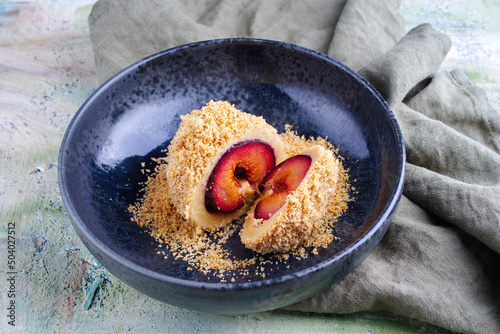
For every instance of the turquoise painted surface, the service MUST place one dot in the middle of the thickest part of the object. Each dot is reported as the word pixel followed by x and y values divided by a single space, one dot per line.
pixel 46 73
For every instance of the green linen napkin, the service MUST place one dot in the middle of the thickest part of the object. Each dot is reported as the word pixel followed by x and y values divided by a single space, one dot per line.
pixel 440 259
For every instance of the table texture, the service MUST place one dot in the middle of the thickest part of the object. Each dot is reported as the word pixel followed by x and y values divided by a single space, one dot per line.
pixel 50 282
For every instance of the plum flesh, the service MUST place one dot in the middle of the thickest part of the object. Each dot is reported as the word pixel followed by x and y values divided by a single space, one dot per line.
pixel 237 175
pixel 282 181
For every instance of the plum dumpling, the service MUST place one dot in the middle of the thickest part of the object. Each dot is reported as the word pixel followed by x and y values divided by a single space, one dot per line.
pixel 296 198
pixel 217 162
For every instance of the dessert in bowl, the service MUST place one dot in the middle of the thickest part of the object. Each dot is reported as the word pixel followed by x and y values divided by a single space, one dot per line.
pixel 118 138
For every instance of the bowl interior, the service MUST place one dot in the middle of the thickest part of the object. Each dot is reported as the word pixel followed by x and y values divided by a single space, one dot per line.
pixel 133 117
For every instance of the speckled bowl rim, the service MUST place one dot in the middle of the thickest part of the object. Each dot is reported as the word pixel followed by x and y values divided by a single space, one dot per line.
pixel 381 222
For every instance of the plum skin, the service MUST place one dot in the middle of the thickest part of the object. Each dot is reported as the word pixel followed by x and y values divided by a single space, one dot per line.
pixel 283 180
pixel 237 175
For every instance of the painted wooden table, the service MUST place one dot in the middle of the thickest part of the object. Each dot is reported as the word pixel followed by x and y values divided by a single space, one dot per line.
pixel 50 282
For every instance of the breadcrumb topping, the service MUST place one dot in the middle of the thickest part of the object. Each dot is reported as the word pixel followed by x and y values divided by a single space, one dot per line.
pixel 203 136
pixel 303 225
pixel 305 219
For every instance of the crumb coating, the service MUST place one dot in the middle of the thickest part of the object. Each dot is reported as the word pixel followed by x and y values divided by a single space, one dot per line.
pixel 203 136
pixel 305 220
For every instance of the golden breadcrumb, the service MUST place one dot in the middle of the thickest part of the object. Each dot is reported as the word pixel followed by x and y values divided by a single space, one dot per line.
pixel 164 208
pixel 203 136
pixel 305 218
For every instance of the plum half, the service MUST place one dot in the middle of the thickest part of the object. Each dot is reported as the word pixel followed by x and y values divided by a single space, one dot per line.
pixel 282 181
pixel 283 218
pixel 238 175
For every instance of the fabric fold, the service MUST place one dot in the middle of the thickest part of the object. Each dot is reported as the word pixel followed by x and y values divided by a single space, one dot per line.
pixel 124 32
pixel 361 23
pixel 451 134
pixel 453 100
pixel 417 56
pixel 471 207
pixel 440 148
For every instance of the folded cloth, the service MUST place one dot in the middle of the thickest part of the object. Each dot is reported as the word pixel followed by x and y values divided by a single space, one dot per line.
pixel 440 259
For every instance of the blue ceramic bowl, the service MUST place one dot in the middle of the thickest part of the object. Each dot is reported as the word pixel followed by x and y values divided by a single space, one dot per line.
pixel 134 115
